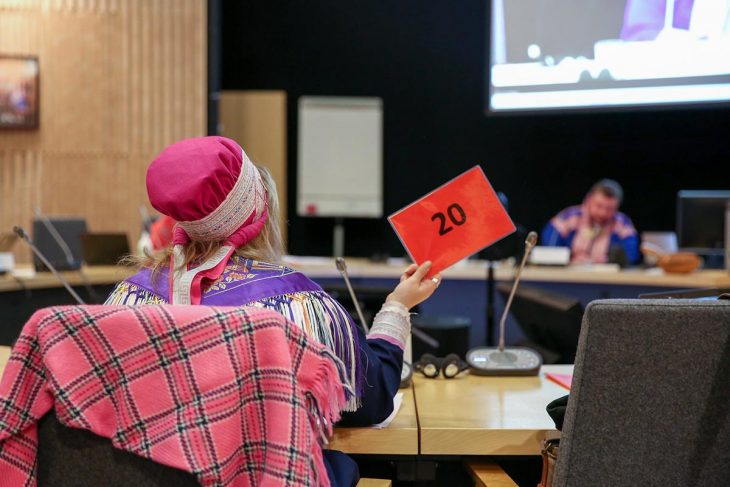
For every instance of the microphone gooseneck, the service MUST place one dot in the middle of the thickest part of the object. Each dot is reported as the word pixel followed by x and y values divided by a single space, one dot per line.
pixel 530 243
pixel 342 267
pixel 24 236
pixel 507 361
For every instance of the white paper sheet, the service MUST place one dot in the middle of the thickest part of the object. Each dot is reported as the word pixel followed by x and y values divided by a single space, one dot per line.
pixel 397 401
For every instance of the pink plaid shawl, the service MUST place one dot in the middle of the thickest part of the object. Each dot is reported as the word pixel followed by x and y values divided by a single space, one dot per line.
pixel 235 396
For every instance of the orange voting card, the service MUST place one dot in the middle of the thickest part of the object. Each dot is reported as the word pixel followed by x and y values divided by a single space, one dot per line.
pixel 452 222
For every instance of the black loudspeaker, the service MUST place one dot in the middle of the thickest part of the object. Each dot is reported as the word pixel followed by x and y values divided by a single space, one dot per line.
pixel 452 333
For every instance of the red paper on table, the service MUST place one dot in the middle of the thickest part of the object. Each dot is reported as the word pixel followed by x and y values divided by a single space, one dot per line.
pixel 564 380
pixel 453 221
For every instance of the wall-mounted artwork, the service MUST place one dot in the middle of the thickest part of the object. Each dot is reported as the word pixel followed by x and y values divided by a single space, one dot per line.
pixel 19 92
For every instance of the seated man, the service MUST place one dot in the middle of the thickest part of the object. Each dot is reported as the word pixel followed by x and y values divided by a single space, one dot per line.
pixel 592 229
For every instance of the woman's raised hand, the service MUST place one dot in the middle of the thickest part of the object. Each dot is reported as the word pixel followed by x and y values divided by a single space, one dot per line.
pixel 413 287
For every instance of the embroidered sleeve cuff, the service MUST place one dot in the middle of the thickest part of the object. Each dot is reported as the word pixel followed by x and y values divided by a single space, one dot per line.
pixel 392 324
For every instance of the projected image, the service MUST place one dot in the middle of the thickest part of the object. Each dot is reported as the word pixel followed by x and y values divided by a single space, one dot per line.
pixel 553 54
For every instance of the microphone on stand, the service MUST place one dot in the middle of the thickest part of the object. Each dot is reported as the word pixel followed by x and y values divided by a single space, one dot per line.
pixel 342 267
pixel 24 236
pixel 407 369
pixel 504 360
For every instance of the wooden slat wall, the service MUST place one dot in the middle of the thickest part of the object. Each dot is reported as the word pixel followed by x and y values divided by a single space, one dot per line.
pixel 120 80
pixel 256 119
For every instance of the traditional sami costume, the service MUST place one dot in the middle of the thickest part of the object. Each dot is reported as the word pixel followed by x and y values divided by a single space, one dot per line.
pixel 215 193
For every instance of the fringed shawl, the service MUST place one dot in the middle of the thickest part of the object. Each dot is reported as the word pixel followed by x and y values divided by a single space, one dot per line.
pixel 235 396
pixel 250 283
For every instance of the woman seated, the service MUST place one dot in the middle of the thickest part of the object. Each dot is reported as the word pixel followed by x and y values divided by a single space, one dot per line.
pixel 226 251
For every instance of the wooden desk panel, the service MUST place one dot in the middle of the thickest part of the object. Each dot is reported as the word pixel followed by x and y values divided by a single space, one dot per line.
pixel 323 267
pixel 473 415
pixel 399 438
pixel 23 278
pixel 713 278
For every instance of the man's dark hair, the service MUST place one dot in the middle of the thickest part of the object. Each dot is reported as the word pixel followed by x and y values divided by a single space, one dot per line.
pixel 610 188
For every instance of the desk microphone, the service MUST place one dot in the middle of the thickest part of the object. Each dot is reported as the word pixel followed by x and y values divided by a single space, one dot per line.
pixel 507 360
pixel 342 267
pixel 24 236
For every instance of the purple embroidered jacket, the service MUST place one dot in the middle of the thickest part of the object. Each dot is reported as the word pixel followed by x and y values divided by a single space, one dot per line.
pixel 250 283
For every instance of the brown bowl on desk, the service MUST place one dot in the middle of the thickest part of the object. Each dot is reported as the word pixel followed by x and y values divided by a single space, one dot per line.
pixel 674 263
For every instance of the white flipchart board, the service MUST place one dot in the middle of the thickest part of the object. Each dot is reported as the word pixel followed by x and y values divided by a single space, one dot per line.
pixel 340 169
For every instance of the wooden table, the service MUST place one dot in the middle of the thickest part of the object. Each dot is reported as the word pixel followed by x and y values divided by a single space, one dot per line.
pixel 399 438
pixel 324 267
pixel 23 277
pixel 475 415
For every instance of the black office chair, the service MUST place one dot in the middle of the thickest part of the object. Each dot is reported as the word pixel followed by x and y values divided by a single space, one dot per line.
pixel 649 403
pixel 70 457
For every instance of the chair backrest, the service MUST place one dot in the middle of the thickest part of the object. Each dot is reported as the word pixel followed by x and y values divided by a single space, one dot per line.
pixel 235 395
pixel 70 457
pixel 650 400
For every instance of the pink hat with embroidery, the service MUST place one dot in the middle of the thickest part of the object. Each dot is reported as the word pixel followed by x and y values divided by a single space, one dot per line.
pixel 216 194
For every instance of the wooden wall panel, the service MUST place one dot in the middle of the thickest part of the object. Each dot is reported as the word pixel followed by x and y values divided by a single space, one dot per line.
pixel 257 121
pixel 120 80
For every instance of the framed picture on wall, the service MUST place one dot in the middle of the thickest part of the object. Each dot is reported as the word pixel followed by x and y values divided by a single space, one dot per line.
pixel 19 92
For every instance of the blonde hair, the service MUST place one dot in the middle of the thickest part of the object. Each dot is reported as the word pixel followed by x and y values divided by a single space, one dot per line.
pixel 267 246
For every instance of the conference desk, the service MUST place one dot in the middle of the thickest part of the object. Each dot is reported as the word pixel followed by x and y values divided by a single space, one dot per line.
pixel 463 291
pixel 400 437
pixel 476 270
pixel 324 268
pixel 478 415
pixel 466 416
pixel 24 278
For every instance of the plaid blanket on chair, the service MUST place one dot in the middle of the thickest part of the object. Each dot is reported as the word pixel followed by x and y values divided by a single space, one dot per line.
pixel 235 396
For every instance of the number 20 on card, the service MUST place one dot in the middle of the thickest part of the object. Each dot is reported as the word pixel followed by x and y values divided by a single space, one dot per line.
pixel 453 221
